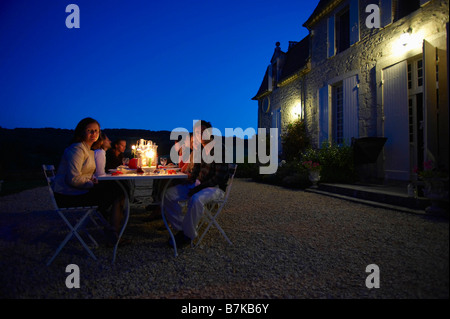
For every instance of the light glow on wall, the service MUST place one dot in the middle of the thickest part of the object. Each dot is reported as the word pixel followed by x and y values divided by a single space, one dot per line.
pixel 295 111
pixel 407 41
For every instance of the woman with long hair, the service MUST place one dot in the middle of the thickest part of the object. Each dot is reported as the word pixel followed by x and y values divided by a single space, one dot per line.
pixel 75 184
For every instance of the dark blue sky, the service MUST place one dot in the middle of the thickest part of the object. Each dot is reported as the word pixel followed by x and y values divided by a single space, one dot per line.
pixel 140 64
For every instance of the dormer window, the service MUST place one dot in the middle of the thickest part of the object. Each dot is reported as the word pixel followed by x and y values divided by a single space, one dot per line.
pixel 275 66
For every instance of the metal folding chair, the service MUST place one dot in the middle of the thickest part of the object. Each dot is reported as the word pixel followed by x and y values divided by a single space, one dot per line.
pixel 89 213
pixel 213 209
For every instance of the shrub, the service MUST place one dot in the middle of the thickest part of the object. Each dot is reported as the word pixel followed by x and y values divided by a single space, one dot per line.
pixel 295 141
pixel 336 162
pixel 291 174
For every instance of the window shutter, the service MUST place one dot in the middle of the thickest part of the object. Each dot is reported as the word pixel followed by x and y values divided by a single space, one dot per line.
pixel 386 12
pixel 323 115
pixel 276 123
pixel 351 105
pixel 396 126
pixel 354 21
pixel 331 37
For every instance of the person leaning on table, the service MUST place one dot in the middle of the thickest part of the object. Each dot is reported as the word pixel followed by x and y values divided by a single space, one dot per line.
pixel 75 184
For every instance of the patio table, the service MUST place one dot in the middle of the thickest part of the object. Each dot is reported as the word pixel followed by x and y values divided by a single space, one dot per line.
pixel 140 177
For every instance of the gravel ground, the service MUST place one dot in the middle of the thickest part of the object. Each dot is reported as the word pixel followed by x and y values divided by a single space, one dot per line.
pixel 286 244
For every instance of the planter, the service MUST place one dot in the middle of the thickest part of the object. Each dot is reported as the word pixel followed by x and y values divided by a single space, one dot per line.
pixel 314 177
pixel 436 190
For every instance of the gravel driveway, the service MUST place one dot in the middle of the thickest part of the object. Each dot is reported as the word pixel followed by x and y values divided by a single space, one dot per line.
pixel 287 244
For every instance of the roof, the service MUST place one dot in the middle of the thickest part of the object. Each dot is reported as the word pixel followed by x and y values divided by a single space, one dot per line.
pixel 296 59
pixel 323 8
pixel 264 88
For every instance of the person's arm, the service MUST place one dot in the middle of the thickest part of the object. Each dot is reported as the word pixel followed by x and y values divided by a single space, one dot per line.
pixel 220 177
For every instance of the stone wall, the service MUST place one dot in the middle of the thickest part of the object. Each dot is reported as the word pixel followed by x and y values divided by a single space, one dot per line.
pixel 375 46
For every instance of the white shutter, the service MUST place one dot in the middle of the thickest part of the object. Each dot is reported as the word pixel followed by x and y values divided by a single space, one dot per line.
pixel 396 126
pixel 354 21
pixel 331 37
pixel 351 105
pixel 276 123
pixel 386 12
pixel 323 115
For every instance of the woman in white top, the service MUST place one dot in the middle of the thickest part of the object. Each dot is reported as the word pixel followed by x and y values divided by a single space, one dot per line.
pixel 75 184
pixel 101 146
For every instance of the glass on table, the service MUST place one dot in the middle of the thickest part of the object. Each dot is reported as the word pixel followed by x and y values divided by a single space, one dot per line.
pixel 125 161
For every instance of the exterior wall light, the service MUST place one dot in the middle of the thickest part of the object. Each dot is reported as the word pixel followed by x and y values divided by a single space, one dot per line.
pixel 405 38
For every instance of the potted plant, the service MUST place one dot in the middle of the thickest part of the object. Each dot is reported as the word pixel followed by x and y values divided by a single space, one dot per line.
pixel 314 171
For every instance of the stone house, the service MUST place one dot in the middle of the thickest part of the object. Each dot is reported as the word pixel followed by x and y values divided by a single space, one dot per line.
pixel 281 92
pixel 374 69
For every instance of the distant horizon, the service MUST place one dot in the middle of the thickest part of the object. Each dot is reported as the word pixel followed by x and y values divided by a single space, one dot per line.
pixel 108 128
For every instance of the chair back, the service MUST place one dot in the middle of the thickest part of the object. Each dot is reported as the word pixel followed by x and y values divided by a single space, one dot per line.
pixel 231 171
pixel 49 172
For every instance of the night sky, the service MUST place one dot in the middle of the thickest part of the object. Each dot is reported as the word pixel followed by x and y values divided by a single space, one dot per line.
pixel 140 64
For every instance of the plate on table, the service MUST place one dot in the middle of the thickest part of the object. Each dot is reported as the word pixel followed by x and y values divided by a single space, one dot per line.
pixel 175 168
pixel 127 170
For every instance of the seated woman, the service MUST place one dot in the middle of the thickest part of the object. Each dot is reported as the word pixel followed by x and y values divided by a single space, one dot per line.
pixel 75 185
pixel 100 147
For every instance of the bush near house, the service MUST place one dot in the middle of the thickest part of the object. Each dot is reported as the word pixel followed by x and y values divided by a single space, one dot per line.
pixel 289 174
pixel 336 161
pixel 295 140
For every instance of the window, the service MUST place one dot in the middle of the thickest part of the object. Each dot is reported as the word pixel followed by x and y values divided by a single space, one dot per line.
pixel 419 73
pixel 342 30
pixel 338 113
pixel 415 75
pixel 405 7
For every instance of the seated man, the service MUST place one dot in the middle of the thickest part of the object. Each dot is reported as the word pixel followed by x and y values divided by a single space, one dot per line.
pixel 207 182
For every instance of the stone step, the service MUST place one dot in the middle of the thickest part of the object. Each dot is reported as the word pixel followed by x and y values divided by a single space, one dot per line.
pixel 377 194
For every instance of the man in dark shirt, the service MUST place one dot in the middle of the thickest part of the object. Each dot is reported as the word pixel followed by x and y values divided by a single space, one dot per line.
pixel 114 155
pixel 207 182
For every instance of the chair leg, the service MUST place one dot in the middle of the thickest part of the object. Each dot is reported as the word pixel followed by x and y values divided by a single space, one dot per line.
pixel 212 221
pixel 73 231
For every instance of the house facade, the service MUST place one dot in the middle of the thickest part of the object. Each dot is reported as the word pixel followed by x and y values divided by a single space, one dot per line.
pixel 378 69
pixel 281 93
